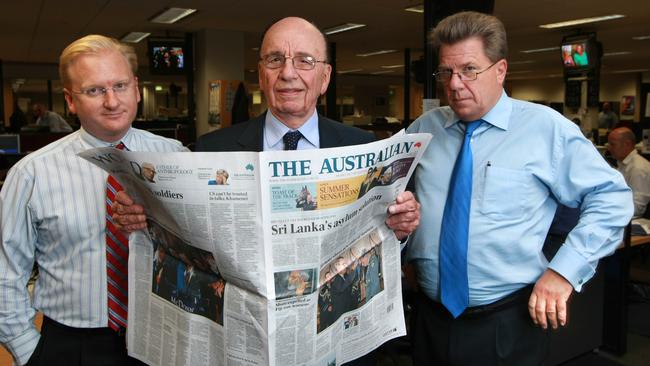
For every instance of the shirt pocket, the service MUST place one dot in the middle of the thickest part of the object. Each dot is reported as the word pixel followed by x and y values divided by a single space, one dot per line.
pixel 506 192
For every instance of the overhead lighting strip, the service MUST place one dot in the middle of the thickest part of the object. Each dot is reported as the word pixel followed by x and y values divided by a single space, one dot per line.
pixel 343 28
pixel 569 23
pixel 172 15
pixel 375 53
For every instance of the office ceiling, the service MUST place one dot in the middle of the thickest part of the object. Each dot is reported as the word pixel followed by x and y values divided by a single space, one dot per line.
pixel 35 31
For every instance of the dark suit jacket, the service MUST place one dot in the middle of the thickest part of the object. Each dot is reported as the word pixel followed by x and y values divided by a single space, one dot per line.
pixel 248 136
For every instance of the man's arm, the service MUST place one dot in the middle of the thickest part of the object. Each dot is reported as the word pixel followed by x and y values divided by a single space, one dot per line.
pixel 581 179
pixel 17 248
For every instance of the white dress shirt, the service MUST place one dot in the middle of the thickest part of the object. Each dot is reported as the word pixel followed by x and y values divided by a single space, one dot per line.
pixel 636 171
pixel 52 210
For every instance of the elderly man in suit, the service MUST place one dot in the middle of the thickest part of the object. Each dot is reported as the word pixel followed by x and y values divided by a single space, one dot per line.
pixel 293 73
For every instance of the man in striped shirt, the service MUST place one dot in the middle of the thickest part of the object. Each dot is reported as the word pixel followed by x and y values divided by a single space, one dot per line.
pixel 52 212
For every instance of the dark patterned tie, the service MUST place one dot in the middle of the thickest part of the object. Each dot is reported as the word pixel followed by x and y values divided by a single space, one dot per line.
pixel 291 139
pixel 117 259
pixel 454 286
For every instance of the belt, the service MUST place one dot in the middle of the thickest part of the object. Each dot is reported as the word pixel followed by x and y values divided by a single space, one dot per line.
pixel 506 302
pixel 83 331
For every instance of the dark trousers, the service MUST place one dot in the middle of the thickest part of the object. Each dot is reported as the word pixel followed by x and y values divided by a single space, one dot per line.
pixel 498 334
pixel 61 345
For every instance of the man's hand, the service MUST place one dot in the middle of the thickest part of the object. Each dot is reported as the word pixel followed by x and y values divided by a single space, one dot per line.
pixel 404 215
pixel 127 215
pixel 548 302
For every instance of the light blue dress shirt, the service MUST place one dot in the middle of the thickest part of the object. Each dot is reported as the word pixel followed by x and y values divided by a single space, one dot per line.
pixel 274 130
pixel 526 157
pixel 52 210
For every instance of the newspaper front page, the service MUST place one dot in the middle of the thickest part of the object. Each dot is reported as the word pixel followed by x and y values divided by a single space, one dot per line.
pixel 271 258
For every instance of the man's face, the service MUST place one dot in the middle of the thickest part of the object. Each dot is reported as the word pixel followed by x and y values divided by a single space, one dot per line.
pixel 107 117
pixel 618 147
pixel 292 94
pixel 149 172
pixel 471 99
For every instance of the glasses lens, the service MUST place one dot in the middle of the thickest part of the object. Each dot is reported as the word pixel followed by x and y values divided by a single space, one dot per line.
pixel 443 75
pixel 93 92
pixel 467 75
pixel 304 62
pixel 274 61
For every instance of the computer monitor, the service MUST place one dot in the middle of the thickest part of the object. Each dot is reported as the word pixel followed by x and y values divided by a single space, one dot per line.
pixel 9 144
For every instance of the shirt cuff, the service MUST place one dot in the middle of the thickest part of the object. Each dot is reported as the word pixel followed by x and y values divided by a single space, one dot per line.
pixel 24 345
pixel 572 266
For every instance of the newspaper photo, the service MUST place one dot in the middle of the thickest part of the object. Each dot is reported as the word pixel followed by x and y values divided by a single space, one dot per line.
pixel 270 258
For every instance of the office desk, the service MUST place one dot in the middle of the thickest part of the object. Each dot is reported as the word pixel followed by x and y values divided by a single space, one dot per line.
pixel 638 240
pixel 617 270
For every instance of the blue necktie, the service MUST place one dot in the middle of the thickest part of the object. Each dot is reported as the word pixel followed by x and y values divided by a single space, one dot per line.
pixel 454 290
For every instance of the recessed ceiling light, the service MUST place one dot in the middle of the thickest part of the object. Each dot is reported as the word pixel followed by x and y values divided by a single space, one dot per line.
pixel 541 49
pixel 569 23
pixel 343 28
pixel 171 15
pixel 641 38
pixel 134 37
pixel 392 66
pixel 416 8
pixel 629 70
pixel 375 53
pixel 620 53
pixel 158 88
pixel 381 72
pixel 348 71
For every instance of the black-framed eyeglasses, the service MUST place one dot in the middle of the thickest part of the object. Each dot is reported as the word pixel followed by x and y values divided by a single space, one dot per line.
pixel 299 62
pixel 118 88
pixel 466 74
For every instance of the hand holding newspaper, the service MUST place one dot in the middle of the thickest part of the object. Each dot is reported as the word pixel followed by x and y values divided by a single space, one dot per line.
pixel 271 258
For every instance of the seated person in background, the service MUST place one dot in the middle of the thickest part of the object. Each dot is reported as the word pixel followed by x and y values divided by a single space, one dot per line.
pixel 50 119
pixel 634 167
pixel 607 118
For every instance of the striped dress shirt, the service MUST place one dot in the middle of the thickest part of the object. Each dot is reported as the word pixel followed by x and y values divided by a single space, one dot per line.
pixel 53 213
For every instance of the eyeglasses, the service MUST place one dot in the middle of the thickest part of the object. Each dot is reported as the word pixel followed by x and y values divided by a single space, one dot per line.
pixel 299 62
pixel 118 88
pixel 466 74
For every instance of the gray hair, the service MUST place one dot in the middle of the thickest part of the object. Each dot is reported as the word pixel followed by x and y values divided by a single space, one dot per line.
pixel 468 24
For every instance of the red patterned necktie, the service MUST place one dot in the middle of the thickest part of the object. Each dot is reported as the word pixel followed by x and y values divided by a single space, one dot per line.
pixel 117 259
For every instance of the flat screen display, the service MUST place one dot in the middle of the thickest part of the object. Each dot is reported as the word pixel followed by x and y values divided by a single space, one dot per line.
pixel 9 144
pixel 576 55
pixel 166 57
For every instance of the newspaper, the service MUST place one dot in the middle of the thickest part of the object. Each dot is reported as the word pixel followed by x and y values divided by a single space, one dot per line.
pixel 271 258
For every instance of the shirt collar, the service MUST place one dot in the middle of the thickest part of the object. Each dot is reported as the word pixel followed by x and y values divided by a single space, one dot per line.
pixel 93 141
pixel 629 157
pixel 274 130
pixel 498 116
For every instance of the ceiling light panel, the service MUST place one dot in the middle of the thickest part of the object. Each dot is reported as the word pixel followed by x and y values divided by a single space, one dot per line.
pixel 134 37
pixel 569 23
pixel 375 53
pixel 172 15
pixel 343 28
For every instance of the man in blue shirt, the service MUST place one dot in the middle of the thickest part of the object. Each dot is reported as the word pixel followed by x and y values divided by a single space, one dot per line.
pixel 525 159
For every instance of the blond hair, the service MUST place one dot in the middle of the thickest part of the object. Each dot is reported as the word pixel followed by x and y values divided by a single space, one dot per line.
pixel 468 24
pixel 92 45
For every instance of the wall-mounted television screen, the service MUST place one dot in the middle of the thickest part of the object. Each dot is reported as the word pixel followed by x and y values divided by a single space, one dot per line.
pixel 167 56
pixel 9 144
pixel 580 53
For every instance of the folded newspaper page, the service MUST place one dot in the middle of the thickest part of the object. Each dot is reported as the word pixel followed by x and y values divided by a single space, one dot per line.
pixel 272 258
